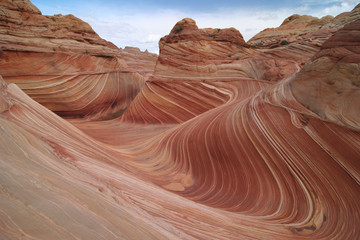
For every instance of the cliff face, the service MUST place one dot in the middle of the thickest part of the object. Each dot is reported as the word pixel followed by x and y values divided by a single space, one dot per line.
pixel 63 64
pixel 260 147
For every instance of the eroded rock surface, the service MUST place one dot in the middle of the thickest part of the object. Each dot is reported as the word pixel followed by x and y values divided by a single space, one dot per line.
pixel 329 84
pixel 198 154
pixel 63 64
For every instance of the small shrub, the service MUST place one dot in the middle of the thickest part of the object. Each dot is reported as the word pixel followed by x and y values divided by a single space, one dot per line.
pixel 178 29
pixel 52 18
pixel 284 42
pixel 229 55
pixel 237 58
pixel 54 49
pixel 86 51
pixel 257 45
pixel 212 35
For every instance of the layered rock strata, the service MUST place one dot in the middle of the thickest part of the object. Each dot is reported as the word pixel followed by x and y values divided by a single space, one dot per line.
pixel 195 156
pixel 329 83
pixel 64 65
pixel 299 38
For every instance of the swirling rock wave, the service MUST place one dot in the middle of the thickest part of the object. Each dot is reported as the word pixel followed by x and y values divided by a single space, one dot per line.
pixel 195 155
pixel 63 64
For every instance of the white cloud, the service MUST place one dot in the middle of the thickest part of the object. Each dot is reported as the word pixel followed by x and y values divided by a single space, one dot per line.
pixel 144 29
pixel 247 22
pixel 345 6
pixel 152 38
pixel 141 29
pixel 329 7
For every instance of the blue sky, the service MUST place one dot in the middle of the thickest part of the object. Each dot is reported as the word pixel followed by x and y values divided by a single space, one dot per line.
pixel 141 23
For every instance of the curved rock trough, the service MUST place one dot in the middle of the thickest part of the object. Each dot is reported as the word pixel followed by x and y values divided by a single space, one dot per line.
pixel 214 139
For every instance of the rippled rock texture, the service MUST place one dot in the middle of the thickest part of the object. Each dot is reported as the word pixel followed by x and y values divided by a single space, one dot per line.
pixel 195 155
pixel 329 84
pixel 298 39
pixel 63 64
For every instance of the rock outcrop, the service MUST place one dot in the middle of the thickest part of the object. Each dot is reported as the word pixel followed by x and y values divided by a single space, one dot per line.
pixel 304 30
pixel 297 40
pixel 295 28
pixel 141 62
pixel 188 50
pixel 329 84
pixel 189 75
pixel 261 153
pixel 196 155
pixel 197 64
pixel 63 64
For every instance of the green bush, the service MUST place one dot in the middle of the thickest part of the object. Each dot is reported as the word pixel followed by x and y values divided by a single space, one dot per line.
pixel 284 42
pixel 178 29
pixel 259 44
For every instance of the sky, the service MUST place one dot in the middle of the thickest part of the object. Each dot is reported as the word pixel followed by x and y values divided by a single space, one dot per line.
pixel 141 23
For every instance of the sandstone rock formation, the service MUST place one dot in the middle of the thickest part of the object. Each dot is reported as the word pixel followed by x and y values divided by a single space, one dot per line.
pixel 329 84
pixel 140 62
pixel 196 63
pixel 304 30
pixel 188 50
pixel 297 40
pixel 64 65
pixel 262 153
pixel 197 154
pixel 294 29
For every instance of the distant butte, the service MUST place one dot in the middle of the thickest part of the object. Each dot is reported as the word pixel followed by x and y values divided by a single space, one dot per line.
pixel 215 138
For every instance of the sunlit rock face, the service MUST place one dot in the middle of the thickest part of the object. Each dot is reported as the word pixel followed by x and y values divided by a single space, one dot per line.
pixel 201 59
pixel 329 84
pixel 188 50
pixel 138 61
pixel 63 64
pixel 298 39
pixel 303 29
pixel 198 69
pixel 195 156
